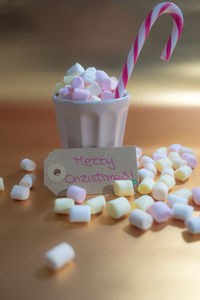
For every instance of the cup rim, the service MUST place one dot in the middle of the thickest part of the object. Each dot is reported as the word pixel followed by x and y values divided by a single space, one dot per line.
pixel 127 94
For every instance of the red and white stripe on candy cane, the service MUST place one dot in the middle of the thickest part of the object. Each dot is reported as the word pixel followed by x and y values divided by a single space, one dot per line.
pixel 160 9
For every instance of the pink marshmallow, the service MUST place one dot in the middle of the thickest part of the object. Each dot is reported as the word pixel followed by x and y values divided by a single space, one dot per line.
pixel 66 92
pixel 107 95
pixel 190 159
pixel 174 148
pixel 160 211
pixel 79 94
pixel 78 83
pixel 103 80
pixel 138 152
pixel 196 195
pixel 159 155
pixel 77 193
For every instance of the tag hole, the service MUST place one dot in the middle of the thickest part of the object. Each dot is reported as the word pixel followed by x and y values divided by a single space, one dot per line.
pixel 57 172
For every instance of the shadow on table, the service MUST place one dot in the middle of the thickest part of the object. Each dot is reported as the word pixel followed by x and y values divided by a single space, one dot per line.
pixel 190 238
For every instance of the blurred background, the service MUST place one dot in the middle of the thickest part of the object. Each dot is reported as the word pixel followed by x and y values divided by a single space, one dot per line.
pixel 40 40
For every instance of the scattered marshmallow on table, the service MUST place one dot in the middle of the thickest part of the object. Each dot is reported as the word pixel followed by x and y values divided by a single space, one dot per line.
pixel 190 159
pixel 143 202
pixel 193 225
pixel 186 150
pixel 160 191
pixel 163 163
pixel 19 192
pixel 138 152
pixel 173 198
pixel 146 185
pixel 80 213
pixel 58 256
pixel 118 207
pixel 162 150
pixel 167 171
pixel 62 205
pixel 160 211
pixel 196 195
pixel 77 193
pixel 123 188
pixel 178 162
pixel 143 173
pixel 140 219
pixel 151 167
pixel 146 159
pixel 96 204
pixel 159 155
pixel 173 155
pixel 1 184
pixel 183 173
pixel 168 180
pixel 28 180
pixel 28 165
pixel 174 148
pixel 181 211
pixel 76 69
pixel 184 192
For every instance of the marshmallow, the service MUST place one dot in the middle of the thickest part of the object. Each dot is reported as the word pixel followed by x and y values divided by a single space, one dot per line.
pixel 138 164
pixel 168 180
pixel 186 150
pixel 118 207
pixel 185 193
pixel 138 152
pixel 28 180
pixel 58 86
pixel 183 173
pixel 160 211
pixel 114 83
pixel 160 191
pixel 190 159
pixel 159 155
pixel 174 154
pixel 196 195
pixel 77 193
pixel 94 98
pixel 68 79
pixel 173 198
pixel 80 94
pixel 146 185
pixel 58 256
pixel 104 80
pixel 79 213
pixel 151 167
pixel 162 150
pixel 76 69
pixel 123 188
pixel 88 77
pixel 107 95
pixel 96 204
pixel 193 225
pixel 94 89
pixel 27 165
pixel 163 163
pixel 78 83
pixel 143 173
pixel 174 148
pixel 181 211
pixel 167 171
pixel 140 219
pixel 62 205
pixel 19 192
pixel 146 159
pixel 178 162
pixel 66 92
pixel 143 202
pixel 91 69
pixel 1 184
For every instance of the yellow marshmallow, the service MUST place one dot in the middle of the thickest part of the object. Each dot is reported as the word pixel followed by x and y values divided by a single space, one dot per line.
pixel 163 163
pixel 174 154
pixel 68 79
pixel 96 204
pixel 58 86
pixel 168 180
pixel 123 188
pixel 62 205
pixel 143 202
pixel 184 192
pixel 118 207
pixel 183 173
pixel 146 185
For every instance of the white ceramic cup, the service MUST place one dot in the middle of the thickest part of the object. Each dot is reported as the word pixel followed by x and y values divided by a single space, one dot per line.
pixel 91 123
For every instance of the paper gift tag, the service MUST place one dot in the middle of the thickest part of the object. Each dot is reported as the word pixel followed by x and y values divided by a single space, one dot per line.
pixel 94 169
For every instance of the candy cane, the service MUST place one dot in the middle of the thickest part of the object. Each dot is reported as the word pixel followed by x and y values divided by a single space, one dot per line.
pixel 155 13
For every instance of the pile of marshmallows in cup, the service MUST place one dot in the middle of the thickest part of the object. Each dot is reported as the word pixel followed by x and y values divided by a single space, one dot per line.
pixel 86 85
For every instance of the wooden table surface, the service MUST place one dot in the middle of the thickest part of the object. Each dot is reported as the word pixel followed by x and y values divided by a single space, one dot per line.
pixel 113 259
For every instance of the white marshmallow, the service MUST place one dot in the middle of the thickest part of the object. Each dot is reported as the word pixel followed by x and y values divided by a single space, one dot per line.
pixel 114 83
pixel 160 191
pixel 88 77
pixel 173 155
pixel 123 188
pixel 94 89
pixel 91 69
pixel 178 162
pixel 1 184
pixel 184 192
pixel 167 171
pixel 172 198
pixel 19 192
pixel 151 167
pixel 140 219
pixel 80 213
pixel 62 205
pixel 168 180
pixel 27 164
pixel 95 98
pixel 186 150
pixel 143 173
pixel 58 256
pixel 76 69
pixel 193 225
pixel 28 180
pixel 181 211
pixel 162 150
pixel 118 207
pixel 146 159
pixel 96 204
